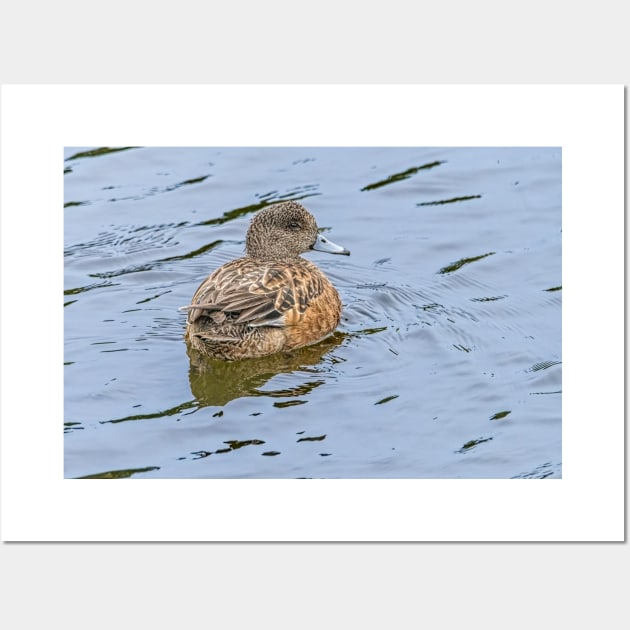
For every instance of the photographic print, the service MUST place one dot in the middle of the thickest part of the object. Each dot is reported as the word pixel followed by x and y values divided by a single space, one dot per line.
pixel 430 349
pixel 312 313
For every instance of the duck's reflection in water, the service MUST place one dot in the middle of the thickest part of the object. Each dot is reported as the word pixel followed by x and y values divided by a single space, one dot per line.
pixel 214 382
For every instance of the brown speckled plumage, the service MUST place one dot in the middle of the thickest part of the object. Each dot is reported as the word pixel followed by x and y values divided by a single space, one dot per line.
pixel 271 300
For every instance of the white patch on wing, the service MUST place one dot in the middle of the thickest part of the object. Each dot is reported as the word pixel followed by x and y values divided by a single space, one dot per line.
pixel 277 322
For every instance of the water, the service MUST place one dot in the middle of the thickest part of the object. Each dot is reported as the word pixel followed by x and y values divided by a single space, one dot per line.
pixel 447 362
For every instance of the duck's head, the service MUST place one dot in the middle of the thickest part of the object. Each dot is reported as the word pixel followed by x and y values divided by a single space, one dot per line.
pixel 285 230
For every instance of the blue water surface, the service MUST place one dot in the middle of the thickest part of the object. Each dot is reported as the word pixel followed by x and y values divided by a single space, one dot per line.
pixel 447 362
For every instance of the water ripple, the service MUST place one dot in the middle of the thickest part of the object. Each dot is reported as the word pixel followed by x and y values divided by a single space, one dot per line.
pixel 98 152
pixel 396 177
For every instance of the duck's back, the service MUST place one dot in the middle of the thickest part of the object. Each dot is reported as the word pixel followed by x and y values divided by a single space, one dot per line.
pixel 250 308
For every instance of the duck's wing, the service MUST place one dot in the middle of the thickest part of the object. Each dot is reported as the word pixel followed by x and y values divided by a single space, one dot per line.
pixel 246 292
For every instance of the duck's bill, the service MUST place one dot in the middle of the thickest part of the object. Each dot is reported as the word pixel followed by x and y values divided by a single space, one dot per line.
pixel 322 244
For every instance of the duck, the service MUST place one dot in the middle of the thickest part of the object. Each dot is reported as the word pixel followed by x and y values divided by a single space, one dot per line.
pixel 271 299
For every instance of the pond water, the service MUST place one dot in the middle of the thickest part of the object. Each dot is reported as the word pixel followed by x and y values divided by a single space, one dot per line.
pixel 447 361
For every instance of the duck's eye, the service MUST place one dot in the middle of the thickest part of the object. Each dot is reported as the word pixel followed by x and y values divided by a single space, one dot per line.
pixel 294 225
